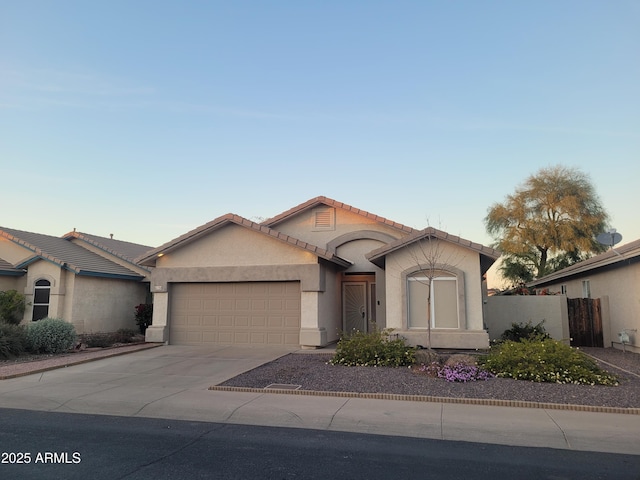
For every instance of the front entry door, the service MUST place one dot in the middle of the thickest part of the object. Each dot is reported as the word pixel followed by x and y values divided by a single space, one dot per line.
pixel 354 306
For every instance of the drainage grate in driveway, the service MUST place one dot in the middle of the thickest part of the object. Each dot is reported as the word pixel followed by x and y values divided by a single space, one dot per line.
pixel 282 386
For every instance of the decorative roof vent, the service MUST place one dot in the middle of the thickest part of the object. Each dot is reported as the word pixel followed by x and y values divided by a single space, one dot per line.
pixel 324 219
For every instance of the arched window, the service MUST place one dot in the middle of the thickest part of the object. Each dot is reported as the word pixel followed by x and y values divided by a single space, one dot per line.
pixel 434 300
pixel 41 293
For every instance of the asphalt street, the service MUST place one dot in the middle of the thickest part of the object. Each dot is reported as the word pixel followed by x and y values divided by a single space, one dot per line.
pixel 36 445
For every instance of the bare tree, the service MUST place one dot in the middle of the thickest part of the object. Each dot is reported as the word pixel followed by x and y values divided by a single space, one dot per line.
pixel 431 257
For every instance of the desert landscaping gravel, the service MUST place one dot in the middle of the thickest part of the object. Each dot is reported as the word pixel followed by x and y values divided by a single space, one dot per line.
pixel 311 371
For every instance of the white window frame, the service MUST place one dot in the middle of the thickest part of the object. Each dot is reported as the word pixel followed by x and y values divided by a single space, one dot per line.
pixel 586 289
pixel 36 288
pixel 432 315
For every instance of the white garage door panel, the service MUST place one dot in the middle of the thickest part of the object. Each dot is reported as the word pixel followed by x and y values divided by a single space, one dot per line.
pixel 251 313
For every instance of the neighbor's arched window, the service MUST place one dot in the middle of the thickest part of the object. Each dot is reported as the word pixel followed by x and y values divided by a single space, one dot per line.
pixel 41 293
pixel 432 300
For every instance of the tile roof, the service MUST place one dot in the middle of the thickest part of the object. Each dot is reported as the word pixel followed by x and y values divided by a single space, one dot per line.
pixel 149 257
pixel 490 255
pixel 314 202
pixel 66 254
pixel 125 250
pixel 613 258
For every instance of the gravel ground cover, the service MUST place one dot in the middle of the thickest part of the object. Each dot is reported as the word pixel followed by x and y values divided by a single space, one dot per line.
pixel 313 372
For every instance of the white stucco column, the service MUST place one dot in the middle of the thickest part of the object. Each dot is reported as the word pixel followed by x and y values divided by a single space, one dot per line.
pixel 158 331
pixel 311 334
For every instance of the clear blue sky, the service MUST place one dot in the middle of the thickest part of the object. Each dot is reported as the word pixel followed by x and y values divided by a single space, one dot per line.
pixel 146 119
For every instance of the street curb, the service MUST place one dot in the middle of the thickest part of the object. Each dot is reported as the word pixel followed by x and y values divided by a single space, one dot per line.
pixel 425 398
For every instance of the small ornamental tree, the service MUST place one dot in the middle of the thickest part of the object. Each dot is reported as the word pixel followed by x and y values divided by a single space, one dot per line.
pixel 144 316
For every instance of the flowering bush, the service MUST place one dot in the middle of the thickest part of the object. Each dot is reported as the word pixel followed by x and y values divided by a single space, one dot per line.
pixel 459 372
pixel 545 361
pixel 374 349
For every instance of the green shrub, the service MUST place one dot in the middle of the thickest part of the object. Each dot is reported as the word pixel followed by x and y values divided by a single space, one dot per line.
pixel 50 335
pixel 102 340
pixel 375 349
pixel 12 306
pixel 144 316
pixel 13 340
pixel 98 340
pixel 545 361
pixel 127 335
pixel 520 331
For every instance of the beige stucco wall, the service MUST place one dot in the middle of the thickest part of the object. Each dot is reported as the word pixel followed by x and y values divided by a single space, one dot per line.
pixel 355 252
pixel 502 311
pixel 330 305
pixel 104 305
pixel 466 265
pixel 622 287
pixel 234 245
pixel 301 227
pixel 91 304
pixel 10 282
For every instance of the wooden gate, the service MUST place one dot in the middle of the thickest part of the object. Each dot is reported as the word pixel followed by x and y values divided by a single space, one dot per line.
pixel 585 322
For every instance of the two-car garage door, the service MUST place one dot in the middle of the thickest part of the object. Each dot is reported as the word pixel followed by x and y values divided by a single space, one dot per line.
pixel 249 313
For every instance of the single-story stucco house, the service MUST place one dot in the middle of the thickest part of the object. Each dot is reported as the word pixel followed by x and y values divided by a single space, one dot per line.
pixel 612 276
pixel 89 281
pixel 314 271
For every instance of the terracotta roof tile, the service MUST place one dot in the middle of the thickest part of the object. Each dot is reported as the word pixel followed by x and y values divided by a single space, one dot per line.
pixel 332 203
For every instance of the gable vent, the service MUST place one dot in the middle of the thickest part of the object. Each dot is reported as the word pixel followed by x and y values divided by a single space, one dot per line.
pixel 324 219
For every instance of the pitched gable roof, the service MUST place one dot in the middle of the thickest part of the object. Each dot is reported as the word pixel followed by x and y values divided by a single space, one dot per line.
pixel 125 250
pixel 487 255
pixel 149 257
pixel 314 202
pixel 67 255
pixel 618 257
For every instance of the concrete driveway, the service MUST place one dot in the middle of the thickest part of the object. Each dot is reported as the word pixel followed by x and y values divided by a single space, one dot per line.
pixel 126 384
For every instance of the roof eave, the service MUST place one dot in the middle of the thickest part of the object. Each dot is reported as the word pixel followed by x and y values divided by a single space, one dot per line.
pixel 13 272
pixel 116 276
pixel 579 272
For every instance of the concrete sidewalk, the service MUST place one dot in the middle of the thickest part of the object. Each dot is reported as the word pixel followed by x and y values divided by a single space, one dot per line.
pixel 172 382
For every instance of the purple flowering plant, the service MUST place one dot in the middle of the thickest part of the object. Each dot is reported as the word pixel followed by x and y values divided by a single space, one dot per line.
pixel 458 372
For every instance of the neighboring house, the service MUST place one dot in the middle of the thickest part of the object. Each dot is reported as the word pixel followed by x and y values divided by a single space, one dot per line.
pixel 614 277
pixel 310 273
pixel 89 281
